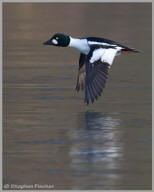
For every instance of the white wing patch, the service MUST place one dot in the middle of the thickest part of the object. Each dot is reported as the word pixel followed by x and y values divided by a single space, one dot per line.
pixel 97 54
pixel 109 55
pixel 106 55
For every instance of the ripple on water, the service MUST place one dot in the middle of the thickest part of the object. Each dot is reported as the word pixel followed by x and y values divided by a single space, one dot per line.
pixel 50 98
pixel 56 89
pixel 73 172
pixel 44 142
pixel 145 140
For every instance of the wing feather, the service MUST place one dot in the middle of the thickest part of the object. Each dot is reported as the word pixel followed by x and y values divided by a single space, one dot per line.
pixel 97 67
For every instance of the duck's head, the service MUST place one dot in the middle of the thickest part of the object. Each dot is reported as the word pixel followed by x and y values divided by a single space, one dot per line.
pixel 58 40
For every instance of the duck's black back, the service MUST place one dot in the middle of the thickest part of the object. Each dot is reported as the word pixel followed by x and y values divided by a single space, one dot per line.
pixel 102 40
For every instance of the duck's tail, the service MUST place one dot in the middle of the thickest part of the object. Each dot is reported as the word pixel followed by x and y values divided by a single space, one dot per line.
pixel 130 50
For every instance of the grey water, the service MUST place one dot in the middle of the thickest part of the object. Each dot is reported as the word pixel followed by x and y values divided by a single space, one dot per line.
pixel 49 135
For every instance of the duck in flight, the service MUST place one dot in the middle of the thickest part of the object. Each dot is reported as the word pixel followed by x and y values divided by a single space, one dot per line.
pixel 96 58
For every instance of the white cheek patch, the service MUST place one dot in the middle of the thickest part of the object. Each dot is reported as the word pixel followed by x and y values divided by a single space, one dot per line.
pixel 54 41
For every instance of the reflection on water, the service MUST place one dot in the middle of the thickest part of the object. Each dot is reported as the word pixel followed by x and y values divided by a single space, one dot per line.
pixel 98 151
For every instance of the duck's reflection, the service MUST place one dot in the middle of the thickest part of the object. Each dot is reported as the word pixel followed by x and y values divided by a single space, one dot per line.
pixel 97 149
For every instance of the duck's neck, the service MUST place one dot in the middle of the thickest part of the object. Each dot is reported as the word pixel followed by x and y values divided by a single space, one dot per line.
pixel 80 44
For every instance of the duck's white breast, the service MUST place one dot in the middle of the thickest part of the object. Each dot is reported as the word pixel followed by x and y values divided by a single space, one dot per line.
pixel 80 44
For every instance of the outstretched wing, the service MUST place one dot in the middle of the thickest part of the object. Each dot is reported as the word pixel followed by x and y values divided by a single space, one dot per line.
pixel 98 63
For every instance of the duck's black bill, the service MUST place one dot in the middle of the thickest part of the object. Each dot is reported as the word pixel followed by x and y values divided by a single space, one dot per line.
pixel 47 42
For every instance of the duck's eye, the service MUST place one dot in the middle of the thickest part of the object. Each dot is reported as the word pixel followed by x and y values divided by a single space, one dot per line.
pixel 57 38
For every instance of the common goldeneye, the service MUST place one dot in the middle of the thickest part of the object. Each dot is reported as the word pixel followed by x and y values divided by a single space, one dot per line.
pixel 96 57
